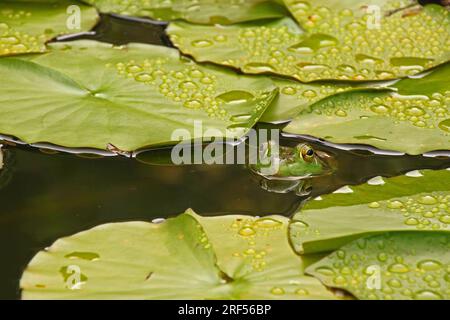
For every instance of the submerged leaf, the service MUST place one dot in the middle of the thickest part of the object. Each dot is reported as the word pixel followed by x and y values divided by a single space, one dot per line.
pixel 334 45
pixel 392 266
pixel 188 257
pixel 202 11
pixel 415 119
pixel 25 26
pixel 90 94
pixel 419 200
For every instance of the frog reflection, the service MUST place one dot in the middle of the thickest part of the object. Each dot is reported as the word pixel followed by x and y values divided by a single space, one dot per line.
pixel 289 169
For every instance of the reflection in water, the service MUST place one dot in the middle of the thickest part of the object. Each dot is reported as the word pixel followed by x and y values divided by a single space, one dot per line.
pixel 120 30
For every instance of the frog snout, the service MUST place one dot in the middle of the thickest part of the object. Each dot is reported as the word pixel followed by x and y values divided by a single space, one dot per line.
pixel 328 161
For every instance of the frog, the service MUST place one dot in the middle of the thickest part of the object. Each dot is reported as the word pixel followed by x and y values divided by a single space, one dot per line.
pixel 278 169
pixel 283 169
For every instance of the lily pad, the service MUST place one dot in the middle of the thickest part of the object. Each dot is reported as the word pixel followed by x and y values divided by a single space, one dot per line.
pixel 419 200
pixel 202 11
pixel 254 47
pixel 374 39
pixel 415 119
pixel 392 266
pixel 338 45
pixel 25 26
pixel 188 257
pixel 295 97
pixel 91 94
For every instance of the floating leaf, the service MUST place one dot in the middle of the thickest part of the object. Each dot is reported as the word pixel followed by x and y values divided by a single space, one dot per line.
pixel 188 257
pixel 25 26
pixel 256 250
pixel 392 266
pixel 419 200
pixel 202 11
pixel 295 97
pixel 377 39
pixel 255 47
pixel 339 47
pixel 414 120
pixel 212 44
pixel 90 94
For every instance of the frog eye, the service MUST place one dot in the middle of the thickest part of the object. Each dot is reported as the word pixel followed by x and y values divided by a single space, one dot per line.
pixel 307 153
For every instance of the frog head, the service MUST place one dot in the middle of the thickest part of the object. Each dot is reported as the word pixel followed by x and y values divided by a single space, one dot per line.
pixel 291 163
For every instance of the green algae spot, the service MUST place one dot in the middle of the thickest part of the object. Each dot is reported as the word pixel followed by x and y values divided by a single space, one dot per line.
pixel 90 256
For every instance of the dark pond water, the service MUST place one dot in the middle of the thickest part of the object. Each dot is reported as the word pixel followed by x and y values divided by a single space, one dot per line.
pixel 47 196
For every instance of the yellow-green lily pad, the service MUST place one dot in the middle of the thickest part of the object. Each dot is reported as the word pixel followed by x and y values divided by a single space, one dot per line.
pixel 91 94
pixel 392 266
pixel 26 26
pixel 295 97
pixel 202 11
pixel 412 117
pixel 187 257
pixel 419 200
pixel 374 39
pixel 339 45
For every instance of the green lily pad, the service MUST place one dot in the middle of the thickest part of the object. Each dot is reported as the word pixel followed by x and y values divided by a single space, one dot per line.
pixel 253 47
pixel 374 39
pixel 392 266
pixel 338 47
pixel 295 97
pixel 419 200
pixel 203 11
pixel 25 26
pixel 415 119
pixel 187 257
pixel 91 94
